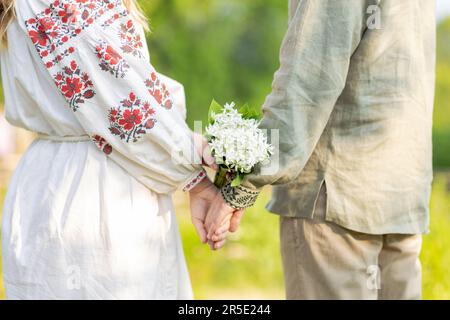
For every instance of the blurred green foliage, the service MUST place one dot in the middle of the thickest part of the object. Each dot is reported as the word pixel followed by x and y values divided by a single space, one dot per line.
pixel 442 106
pixel 222 49
pixel 435 255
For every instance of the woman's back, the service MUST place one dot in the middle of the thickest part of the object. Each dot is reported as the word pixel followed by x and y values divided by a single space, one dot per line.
pixel 89 208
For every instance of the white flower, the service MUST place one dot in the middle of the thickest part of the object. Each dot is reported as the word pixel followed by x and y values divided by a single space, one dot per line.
pixel 237 143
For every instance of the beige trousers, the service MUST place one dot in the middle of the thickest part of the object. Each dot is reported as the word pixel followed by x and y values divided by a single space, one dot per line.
pixel 325 261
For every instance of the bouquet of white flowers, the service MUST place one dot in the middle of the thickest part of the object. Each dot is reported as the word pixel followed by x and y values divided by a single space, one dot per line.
pixel 236 142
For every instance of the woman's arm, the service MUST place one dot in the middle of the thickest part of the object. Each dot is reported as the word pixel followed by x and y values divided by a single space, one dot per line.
pixel 93 52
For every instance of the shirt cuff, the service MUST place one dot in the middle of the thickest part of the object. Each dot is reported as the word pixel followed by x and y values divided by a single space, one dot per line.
pixel 194 180
pixel 239 197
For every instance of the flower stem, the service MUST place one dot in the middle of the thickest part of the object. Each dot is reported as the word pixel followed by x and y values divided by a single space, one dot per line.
pixel 220 180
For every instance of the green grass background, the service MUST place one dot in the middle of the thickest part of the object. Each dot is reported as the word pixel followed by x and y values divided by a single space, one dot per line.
pixel 441 132
pixel 228 49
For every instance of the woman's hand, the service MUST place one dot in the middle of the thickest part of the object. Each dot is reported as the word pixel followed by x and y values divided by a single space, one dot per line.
pixel 210 213
pixel 218 221
pixel 201 197
pixel 201 145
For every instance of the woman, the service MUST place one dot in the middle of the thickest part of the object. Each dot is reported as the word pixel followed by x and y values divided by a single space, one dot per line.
pixel 88 214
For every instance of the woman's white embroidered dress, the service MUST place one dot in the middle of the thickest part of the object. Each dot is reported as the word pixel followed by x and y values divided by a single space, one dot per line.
pixel 88 214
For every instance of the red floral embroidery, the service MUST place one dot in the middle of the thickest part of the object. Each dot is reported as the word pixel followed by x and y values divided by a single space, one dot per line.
pixel 74 85
pixel 132 119
pixel 131 39
pixel 194 182
pixel 63 20
pixel 102 144
pixel 116 16
pixel 111 60
pixel 159 91
pixel 38 36
pixel 59 57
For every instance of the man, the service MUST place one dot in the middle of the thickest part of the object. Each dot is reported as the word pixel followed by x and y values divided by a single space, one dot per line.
pixel 353 102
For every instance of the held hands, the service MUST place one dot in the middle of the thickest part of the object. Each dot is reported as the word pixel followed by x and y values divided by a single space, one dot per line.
pixel 211 216
pixel 220 219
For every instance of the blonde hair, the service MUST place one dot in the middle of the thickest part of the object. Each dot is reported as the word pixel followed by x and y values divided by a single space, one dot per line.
pixel 7 15
pixel 136 12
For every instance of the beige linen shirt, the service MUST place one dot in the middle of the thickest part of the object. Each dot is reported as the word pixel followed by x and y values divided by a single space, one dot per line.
pixel 353 102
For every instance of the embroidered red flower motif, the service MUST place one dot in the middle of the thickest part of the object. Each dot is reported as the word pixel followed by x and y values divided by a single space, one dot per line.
pixel 158 95
pixel 75 85
pixel 159 91
pixel 111 60
pixel 59 57
pixel 132 119
pixel 39 37
pixel 112 56
pixel 148 110
pixel 168 104
pixel 102 144
pixel 122 13
pixel 72 87
pixel 131 39
pixel 113 115
pixel 46 23
pixel 69 13
pixel 63 20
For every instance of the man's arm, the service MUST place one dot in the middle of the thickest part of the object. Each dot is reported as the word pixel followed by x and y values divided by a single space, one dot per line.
pixel 314 63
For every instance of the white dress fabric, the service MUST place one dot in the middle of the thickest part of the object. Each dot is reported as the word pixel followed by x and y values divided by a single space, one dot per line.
pixel 88 213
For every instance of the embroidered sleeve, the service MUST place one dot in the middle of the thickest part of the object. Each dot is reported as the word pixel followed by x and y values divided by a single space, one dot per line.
pixel 197 178
pixel 93 51
pixel 239 197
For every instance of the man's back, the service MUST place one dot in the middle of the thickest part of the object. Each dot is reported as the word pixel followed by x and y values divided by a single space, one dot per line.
pixel 353 101
pixel 378 139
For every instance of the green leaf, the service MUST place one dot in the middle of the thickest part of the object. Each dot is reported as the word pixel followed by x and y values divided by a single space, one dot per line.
pixel 237 181
pixel 214 108
pixel 248 112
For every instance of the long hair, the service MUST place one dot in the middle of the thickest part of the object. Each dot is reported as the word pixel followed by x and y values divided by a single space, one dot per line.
pixel 7 15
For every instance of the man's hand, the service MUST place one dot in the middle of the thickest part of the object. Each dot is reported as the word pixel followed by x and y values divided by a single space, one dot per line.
pixel 230 225
pixel 236 220
pixel 219 238
pixel 202 198
pixel 218 221
pixel 211 216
